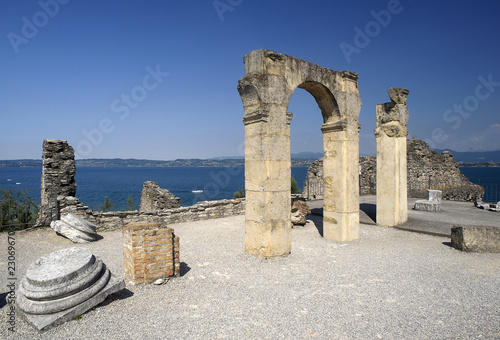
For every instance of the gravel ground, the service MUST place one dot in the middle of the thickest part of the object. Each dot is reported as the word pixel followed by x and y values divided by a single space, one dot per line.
pixel 390 284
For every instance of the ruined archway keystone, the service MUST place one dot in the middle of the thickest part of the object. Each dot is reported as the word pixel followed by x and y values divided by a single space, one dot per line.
pixel 270 80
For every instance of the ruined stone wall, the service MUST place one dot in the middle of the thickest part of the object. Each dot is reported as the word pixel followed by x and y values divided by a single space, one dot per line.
pixel 114 220
pixel 155 198
pixel 423 163
pixel 58 178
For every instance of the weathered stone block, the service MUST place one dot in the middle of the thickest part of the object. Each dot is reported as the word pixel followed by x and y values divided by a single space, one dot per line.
pixel 64 284
pixel 426 205
pixel 476 239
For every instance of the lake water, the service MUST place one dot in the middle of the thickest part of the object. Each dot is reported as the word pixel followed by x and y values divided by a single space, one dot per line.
pixel 93 183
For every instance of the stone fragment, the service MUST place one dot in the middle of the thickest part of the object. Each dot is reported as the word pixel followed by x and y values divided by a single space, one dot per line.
pixel 476 239
pixel 75 228
pixel 154 198
pixel 300 210
pixel 435 195
pixel 433 203
pixel 425 205
pixel 64 284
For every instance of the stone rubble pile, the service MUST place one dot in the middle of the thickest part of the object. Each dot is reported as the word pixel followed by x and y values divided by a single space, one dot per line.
pixel 62 285
pixel 75 228
pixel 487 206
pixel 300 210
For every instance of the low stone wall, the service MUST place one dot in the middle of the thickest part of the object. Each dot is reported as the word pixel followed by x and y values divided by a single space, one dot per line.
pixel 115 220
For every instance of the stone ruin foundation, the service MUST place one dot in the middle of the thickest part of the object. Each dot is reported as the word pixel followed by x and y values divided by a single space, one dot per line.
pixel 432 203
pixel 269 82
pixel 390 133
pixel 154 198
pixel 150 252
pixel 62 285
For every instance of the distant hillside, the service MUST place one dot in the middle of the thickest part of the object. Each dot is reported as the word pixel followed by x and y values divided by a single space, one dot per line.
pixel 307 155
pixel 119 162
pixel 474 156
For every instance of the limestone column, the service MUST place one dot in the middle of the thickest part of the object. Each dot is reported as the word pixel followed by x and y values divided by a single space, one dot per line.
pixel 267 185
pixel 391 132
pixel 341 180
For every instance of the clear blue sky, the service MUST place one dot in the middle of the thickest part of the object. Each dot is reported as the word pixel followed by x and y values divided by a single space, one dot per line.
pixel 67 71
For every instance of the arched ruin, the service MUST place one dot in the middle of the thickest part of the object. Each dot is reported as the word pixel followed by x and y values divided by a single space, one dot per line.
pixel 269 82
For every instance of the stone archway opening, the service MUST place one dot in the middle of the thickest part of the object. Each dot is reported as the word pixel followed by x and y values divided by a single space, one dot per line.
pixel 310 106
pixel 270 80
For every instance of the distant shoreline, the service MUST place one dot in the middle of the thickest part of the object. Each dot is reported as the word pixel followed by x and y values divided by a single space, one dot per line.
pixel 23 163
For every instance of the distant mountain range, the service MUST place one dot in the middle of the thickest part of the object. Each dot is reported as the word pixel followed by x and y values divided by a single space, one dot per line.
pixel 298 159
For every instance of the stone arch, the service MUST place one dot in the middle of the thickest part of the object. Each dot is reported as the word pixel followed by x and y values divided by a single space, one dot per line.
pixel 324 98
pixel 269 82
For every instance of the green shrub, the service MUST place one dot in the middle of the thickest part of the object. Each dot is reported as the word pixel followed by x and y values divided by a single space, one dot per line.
pixel 17 210
pixel 130 203
pixel 239 194
pixel 294 187
pixel 106 206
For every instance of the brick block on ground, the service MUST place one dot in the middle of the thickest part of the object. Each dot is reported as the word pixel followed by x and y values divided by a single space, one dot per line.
pixel 150 252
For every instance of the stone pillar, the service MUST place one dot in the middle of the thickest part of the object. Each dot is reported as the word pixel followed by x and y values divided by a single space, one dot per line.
pixel 341 181
pixel 391 132
pixel 267 184
pixel 58 178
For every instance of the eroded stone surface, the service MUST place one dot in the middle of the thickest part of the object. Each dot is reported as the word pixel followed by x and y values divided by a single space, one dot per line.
pixel 75 228
pixel 476 239
pixel 392 172
pixel 154 198
pixel 59 267
pixel 62 283
pixel 300 210
pixel 45 322
pixel 78 223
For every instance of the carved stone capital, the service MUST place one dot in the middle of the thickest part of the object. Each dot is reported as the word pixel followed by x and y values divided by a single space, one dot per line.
pixel 256 117
pixel 338 126
pixel 392 130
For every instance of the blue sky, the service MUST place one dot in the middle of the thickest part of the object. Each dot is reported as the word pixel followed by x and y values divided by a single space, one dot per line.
pixel 157 79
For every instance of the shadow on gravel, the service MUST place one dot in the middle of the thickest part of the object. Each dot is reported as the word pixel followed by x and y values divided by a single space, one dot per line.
pixel 447 244
pixel 184 268
pixel 3 300
pixel 318 222
pixel 370 210
pixel 120 295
